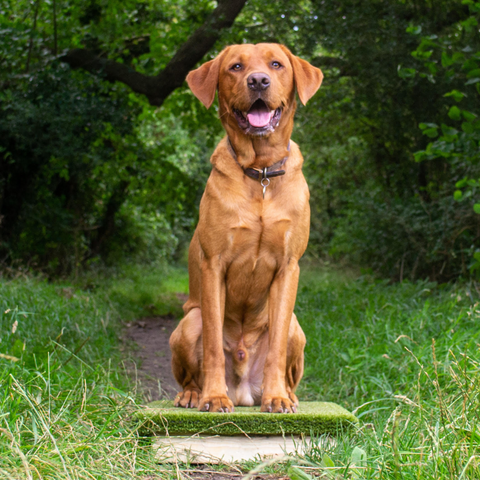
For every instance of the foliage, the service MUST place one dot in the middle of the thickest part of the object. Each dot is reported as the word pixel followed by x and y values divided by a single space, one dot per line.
pixel 72 157
pixel 372 203
pixel 88 170
pixel 455 57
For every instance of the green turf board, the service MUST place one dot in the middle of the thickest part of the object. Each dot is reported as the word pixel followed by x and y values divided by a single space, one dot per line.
pixel 162 418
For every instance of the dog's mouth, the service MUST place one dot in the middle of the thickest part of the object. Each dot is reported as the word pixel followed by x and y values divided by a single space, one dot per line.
pixel 259 120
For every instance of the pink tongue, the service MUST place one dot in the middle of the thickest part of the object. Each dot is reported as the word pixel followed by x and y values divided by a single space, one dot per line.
pixel 259 117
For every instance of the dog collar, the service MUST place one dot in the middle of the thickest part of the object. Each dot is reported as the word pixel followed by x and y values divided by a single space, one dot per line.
pixel 263 175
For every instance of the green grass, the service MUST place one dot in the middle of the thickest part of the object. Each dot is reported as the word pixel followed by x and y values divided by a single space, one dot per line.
pixel 161 418
pixel 405 358
pixel 66 404
pixel 140 291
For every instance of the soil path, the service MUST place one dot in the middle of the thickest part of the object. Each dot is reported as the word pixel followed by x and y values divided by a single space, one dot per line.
pixel 152 356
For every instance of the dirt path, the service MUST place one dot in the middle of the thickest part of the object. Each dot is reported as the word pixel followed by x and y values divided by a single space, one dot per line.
pixel 147 340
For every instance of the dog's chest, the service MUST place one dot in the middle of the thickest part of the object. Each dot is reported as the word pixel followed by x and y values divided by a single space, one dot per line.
pixel 260 235
pixel 257 247
pixel 241 228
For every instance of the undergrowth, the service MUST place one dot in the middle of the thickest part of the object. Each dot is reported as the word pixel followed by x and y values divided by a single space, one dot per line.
pixel 404 357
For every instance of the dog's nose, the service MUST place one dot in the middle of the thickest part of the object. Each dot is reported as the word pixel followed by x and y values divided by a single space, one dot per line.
pixel 258 81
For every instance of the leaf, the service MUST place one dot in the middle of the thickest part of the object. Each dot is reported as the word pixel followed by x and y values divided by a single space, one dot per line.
pixel 406 72
pixel 457 95
pixel 468 116
pixel 476 208
pixel 433 70
pixel 327 461
pixel 359 457
pixel 472 80
pixel 449 131
pixel 446 60
pixel 420 155
pixel 423 126
pixel 431 132
pixel 296 473
pixel 468 127
pixel 458 195
pixel 474 73
pixel 455 113
pixel 469 24
pixel 414 29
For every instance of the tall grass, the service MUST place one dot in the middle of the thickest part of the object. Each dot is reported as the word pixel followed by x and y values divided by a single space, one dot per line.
pixel 404 357
pixel 65 400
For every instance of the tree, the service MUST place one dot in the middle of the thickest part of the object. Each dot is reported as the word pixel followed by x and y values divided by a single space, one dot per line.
pixel 73 166
pixel 371 201
pixel 158 87
pixel 454 59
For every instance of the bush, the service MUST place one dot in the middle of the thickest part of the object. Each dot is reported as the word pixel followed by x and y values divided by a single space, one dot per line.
pixel 74 176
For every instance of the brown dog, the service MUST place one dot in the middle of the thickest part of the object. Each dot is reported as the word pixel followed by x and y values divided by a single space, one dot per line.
pixel 240 342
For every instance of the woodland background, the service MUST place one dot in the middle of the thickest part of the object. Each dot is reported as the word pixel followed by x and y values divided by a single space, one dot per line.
pixel 104 152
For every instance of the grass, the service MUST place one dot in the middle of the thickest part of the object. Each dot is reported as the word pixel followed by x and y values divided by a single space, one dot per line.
pixel 162 418
pixel 65 402
pixel 405 358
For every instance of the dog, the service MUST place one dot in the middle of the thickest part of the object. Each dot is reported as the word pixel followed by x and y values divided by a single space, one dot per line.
pixel 239 342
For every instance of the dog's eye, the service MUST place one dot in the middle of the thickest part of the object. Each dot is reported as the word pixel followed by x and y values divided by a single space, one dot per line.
pixel 236 67
pixel 276 64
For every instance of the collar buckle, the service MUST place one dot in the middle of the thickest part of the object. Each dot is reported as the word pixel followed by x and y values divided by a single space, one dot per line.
pixel 265 181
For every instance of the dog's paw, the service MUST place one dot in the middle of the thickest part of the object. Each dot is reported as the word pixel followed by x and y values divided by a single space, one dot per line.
pixel 293 397
pixel 189 398
pixel 216 403
pixel 278 405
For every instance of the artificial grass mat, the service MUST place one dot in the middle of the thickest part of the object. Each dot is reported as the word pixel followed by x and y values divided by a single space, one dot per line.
pixel 316 418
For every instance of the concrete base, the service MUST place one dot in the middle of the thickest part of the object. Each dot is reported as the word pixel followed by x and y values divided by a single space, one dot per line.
pixel 219 449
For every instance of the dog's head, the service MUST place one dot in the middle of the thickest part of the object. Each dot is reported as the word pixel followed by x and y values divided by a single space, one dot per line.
pixel 256 86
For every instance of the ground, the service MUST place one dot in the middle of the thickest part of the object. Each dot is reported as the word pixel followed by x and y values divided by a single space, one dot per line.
pixel 152 356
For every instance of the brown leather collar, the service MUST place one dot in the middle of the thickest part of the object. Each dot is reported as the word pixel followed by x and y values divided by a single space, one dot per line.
pixel 258 173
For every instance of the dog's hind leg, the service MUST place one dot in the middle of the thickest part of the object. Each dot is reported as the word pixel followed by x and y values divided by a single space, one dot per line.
pixel 186 347
pixel 295 355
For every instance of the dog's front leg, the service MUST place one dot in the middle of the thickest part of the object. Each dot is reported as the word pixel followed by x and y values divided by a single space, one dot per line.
pixel 214 394
pixel 283 292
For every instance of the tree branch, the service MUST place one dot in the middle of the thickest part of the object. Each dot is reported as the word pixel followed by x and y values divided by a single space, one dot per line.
pixel 157 88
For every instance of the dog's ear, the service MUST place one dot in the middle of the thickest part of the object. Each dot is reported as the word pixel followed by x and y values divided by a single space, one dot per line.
pixel 307 77
pixel 204 80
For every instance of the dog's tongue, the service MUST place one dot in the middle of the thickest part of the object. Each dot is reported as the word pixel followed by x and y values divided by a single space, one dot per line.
pixel 259 115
